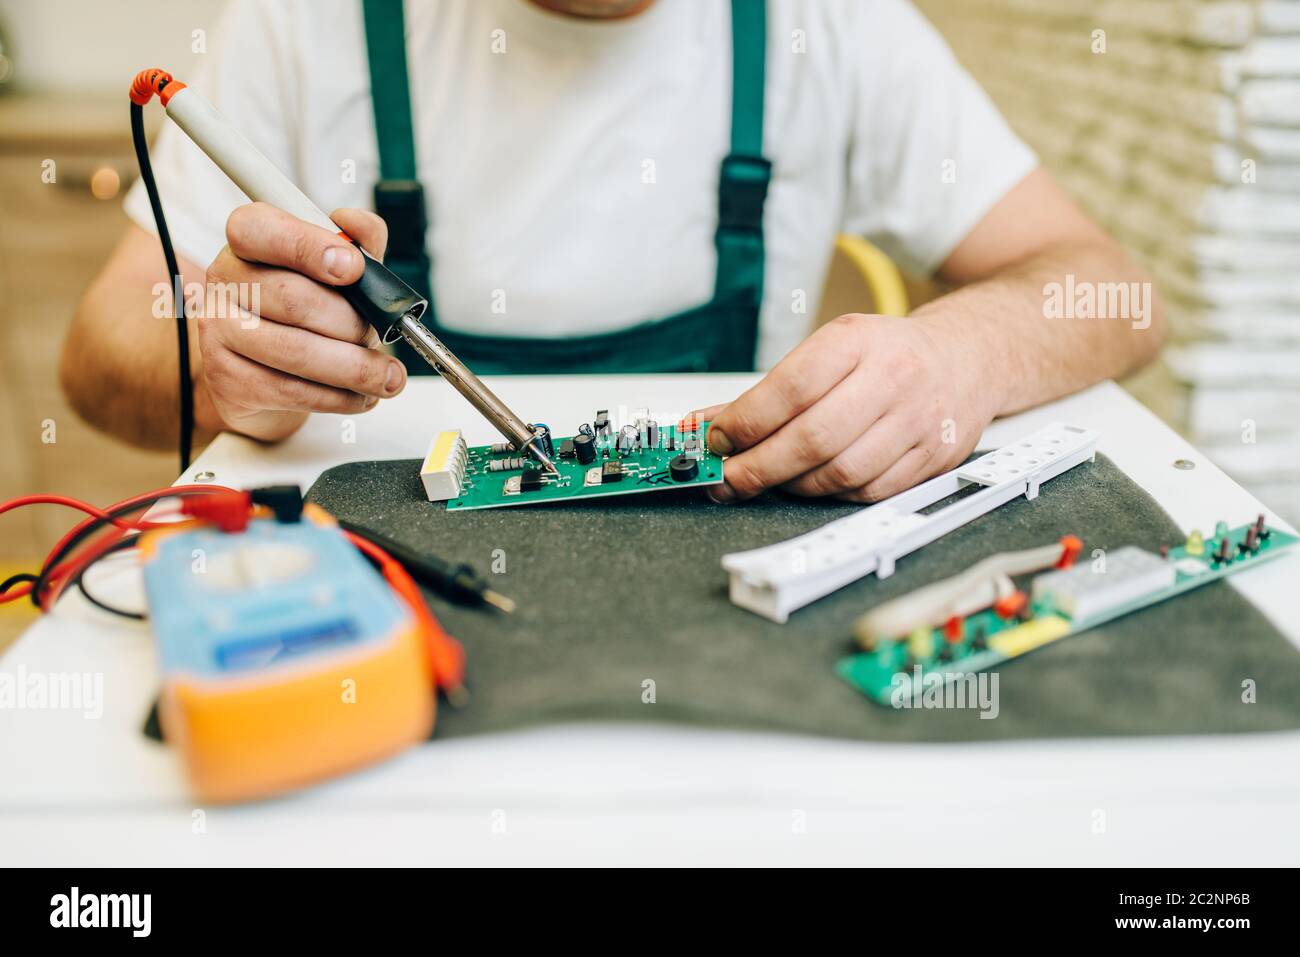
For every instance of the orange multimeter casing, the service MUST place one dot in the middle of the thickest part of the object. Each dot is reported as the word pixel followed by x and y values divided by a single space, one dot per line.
pixel 286 659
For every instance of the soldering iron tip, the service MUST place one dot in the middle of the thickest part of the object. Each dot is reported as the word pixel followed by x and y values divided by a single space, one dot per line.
pixel 499 601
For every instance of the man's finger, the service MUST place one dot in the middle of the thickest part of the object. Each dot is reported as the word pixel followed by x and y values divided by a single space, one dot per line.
pixel 709 414
pixel 914 466
pixel 254 385
pixel 809 440
pixel 814 368
pixel 282 295
pixel 344 365
pixel 871 455
pixel 262 233
pixel 365 227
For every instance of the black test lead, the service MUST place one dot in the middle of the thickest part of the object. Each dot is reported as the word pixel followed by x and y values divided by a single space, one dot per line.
pixel 459 583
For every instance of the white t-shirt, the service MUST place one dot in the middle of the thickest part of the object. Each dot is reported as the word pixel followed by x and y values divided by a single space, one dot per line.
pixel 571 166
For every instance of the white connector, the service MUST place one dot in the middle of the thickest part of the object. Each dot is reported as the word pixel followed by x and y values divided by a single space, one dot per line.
pixel 1088 591
pixel 443 471
pixel 775 580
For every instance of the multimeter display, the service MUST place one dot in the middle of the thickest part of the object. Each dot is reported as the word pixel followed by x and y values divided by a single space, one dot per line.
pixel 272 596
pixel 260 652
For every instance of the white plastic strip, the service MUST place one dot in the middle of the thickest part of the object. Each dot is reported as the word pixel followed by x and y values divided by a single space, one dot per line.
pixel 775 580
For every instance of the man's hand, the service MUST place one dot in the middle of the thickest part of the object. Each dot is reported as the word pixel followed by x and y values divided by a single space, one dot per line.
pixel 306 350
pixel 864 408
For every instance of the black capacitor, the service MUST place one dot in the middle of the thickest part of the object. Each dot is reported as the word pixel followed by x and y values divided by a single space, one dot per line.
pixel 652 434
pixel 543 433
pixel 683 469
pixel 584 447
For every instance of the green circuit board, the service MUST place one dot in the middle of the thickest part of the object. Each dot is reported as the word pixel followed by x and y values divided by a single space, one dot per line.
pixel 987 639
pixel 667 456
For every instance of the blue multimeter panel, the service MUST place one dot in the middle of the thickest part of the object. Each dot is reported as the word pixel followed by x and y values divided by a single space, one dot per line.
pixel 275 595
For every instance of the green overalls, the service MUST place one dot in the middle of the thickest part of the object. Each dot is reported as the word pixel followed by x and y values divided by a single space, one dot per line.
pixel 719 336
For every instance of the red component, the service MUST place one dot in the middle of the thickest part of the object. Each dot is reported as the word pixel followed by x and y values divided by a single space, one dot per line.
pixel 953 629
pixel 1012 605
pixel 689 423
pixel 1070 549
pixel 228 509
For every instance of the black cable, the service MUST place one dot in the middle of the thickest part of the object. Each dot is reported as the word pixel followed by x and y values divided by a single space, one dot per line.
pixel 79 581
pixel 457 583
pixel 178 284
pixel 91 528
pixel 18 579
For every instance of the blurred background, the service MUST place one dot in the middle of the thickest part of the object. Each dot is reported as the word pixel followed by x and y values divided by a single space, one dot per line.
pixel 1175 122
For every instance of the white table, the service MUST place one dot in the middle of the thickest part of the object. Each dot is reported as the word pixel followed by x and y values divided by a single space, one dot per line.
pixel 75 790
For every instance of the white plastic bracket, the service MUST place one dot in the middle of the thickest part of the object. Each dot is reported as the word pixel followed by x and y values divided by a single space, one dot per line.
pixel 777 579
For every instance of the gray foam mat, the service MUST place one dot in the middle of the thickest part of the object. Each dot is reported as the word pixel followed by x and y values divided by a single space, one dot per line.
pixel 619 592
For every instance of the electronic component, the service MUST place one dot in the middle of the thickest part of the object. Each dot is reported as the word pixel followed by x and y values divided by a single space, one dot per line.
pixel 778 579
pixel 542 443
pixel 683 469
pixel 530 480
pixel 567 450
pixel 634 469
pixel 602 425
pixel 985 584
pixel 905 646
pixel 443 471
pixel 1088 590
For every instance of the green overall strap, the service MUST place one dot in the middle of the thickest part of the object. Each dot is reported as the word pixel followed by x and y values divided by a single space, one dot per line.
pixel 399 196
pixel 720 335
pixel 742 189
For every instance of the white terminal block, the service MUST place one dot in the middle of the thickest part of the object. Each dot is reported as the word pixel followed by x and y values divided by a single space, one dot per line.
pixel 443 471
pixel 1090 589
pixel 778 579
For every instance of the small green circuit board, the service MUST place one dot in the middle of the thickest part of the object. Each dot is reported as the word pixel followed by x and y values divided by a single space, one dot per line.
pixel 656 461
pixel 986 639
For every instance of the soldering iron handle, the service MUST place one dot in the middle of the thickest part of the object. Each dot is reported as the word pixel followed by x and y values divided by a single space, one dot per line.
pixel 380 297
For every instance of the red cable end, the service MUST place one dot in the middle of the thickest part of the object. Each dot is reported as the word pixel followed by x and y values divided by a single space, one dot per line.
pixel 151 81
pixel 1010 606
pixel 228 509
pixel 1070 549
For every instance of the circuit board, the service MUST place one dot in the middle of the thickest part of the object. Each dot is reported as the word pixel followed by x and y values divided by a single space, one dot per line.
pixel 985 639
pixel 598 462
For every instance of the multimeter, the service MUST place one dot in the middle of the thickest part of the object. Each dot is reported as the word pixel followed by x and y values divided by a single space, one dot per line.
pixel 285 657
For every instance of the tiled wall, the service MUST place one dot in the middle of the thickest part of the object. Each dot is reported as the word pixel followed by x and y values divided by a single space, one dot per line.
pixel 1177 124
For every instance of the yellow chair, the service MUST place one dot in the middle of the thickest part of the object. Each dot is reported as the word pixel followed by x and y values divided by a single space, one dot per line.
pixel 862 279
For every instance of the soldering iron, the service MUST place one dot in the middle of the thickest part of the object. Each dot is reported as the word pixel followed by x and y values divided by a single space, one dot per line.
pixel 391 306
